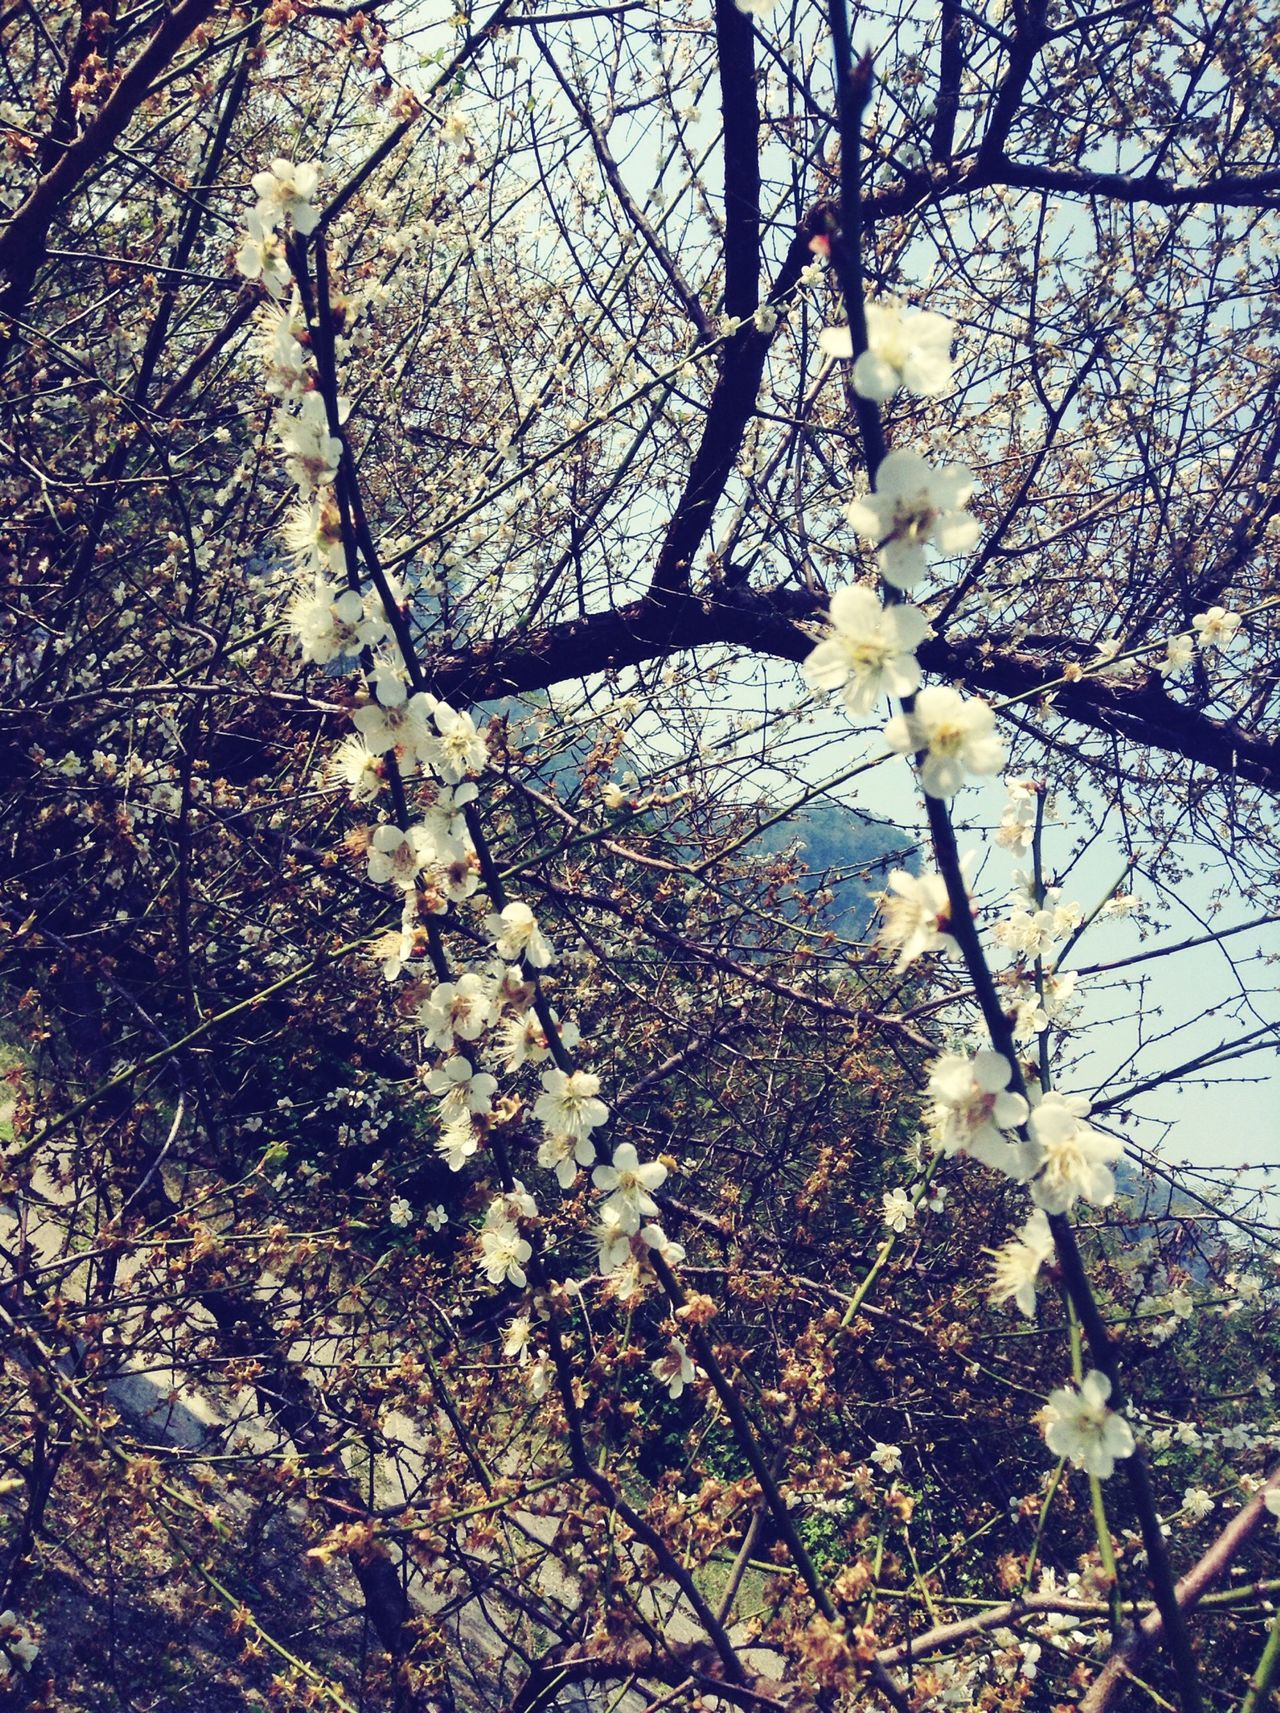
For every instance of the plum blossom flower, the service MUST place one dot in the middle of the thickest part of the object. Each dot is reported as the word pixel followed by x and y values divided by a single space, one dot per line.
pixel 956 734
pixel 539 1376
pixel 1017 1264
pixel 509 1207
pixel 19 1646
pixel 1079 1426
pixel 458 1141
pixel 899 1212
pixel 287 369
pixel 674 1370
pixel 1018 822
pixel 461 1088
pixel 565 1155
pixel 887 1457
pixel 655 1238
pixel 515 1338
pixel 355 766
pixel 462 1008
pixel 916 917
pixel 914 506
pixel 312 454
pixel 436 1217
pixel 397 853
pixel 613 1242
pixel 285 191
pixel 1071 1158
pixel 523 1040
pixel 1029 933
pixel 261 257
pixel 516 934
pixel 1179 654
pixel 447 823
pixel 1217 628
pixel 627 1184
pixel 973 1107
pixel 870 652
pixel 906 347
pixel 461 749
pixel 403 729
pixel 327 624
pixel 569 1104
pixel 1196 1504
pixel 400 1212
pixel 503 1253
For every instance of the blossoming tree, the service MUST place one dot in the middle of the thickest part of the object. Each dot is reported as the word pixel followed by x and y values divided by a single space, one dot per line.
pixel 487 1222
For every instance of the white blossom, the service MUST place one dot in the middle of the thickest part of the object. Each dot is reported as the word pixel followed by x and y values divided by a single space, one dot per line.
pixel 628 1183
pixel 458 1141
pixel 261 257
pixel 400 1212
pixel 461 1009
pixel 355 766
pixel 956 733
pixel 403 729
pixel 1179 654
pixel 1079 1426
pixel 398 853
pixel 19 1645
pixel 973 1108
pixel 285 191
pixel 516 934
pixel 1196 1504
pixel 565 1155
pixel 1217 628
pixel 312 454
pixel 887 1457
pixel 916 917
pixel 515 1338
pixel 906 347
pixel 569 1103
pixel 1017 1264
pixel 898 1210
pixel 674 1370
pixel 461 1088
pixel 503 1253
pixel 914 506
pixel 461 749
pixel 1029 933
pixel 870 652
pixel 1072 1159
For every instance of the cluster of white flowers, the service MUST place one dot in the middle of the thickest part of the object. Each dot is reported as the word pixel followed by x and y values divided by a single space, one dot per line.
pixel 18 1646
pixel 871 649
pixel 1018 821
pixel 285 192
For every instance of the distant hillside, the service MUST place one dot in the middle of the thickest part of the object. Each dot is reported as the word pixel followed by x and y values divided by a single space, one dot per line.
pixel 847 852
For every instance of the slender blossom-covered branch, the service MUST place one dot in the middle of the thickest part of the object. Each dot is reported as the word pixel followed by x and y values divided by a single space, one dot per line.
pixel 846 255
